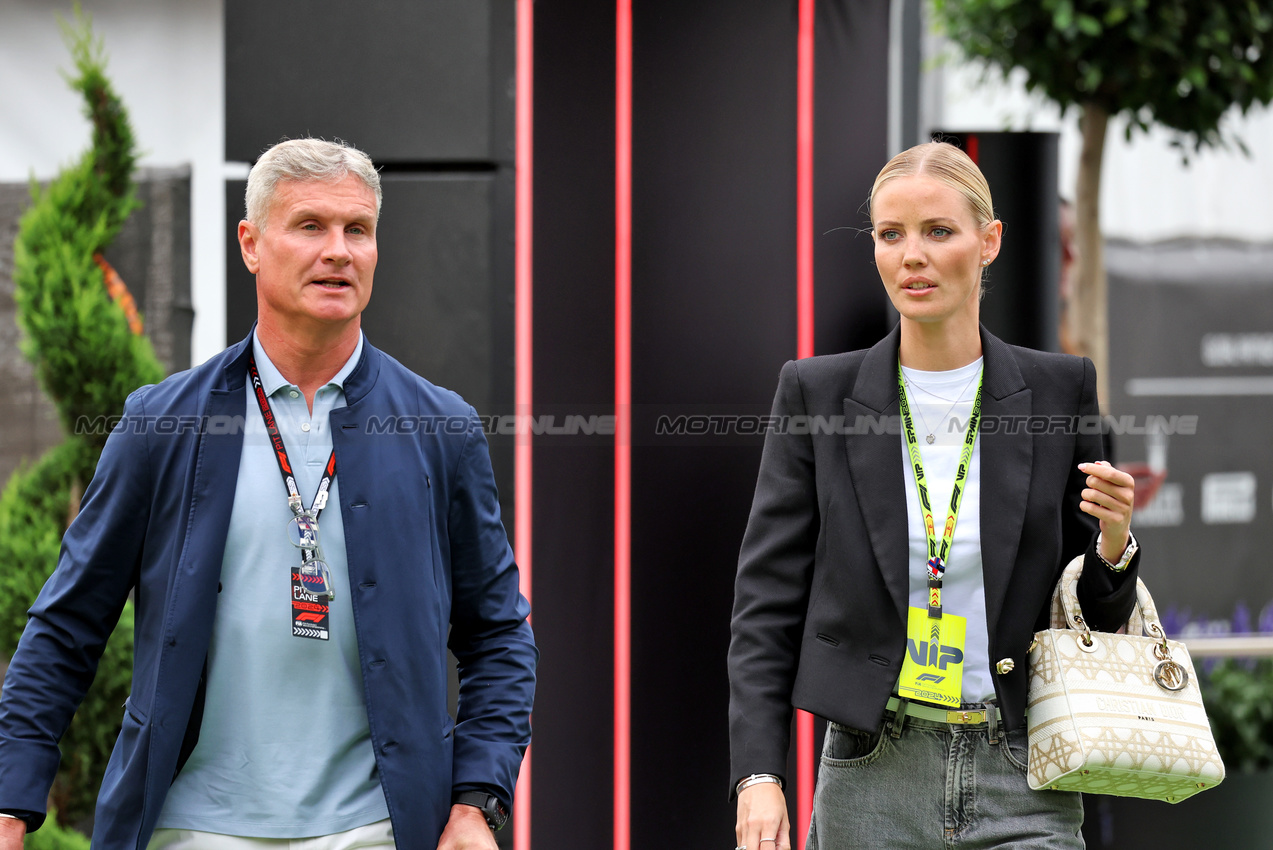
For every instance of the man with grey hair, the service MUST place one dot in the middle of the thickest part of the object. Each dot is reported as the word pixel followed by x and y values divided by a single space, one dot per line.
pixel 290 682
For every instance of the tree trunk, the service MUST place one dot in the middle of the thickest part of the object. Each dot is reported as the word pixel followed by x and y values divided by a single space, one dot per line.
pixel 1089 311
pixel 73 504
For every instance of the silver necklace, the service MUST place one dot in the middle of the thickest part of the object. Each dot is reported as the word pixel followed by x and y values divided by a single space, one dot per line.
pixel 919 408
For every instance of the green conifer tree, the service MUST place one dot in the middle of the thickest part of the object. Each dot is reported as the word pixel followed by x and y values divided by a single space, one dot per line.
pixel 87 359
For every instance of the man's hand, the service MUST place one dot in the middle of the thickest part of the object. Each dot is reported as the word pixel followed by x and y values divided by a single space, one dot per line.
pixel 11 832
pixel 762 817
pixel 465 830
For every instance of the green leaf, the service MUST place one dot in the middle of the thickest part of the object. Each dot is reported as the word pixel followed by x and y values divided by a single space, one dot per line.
pixel 1116 15
pixel 1089 25
pixel 1063 16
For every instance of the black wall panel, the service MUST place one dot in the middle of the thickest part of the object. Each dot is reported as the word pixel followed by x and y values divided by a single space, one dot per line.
pixel 1022 303
pixel 407 82
pixel 574 374
pixel 850 146
pixel 240 287
pixel 714 233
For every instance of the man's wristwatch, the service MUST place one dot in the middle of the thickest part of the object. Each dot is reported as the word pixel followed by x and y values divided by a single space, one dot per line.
pixel 492 809
pixel 1124 561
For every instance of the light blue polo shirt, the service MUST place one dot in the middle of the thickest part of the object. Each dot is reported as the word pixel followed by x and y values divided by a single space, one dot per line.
pixel 285 749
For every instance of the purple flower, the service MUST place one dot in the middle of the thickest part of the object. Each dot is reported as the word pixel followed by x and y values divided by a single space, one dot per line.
pixel 1241 618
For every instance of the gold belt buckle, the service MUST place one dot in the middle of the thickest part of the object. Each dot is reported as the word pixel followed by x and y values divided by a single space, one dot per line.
pixel 965 717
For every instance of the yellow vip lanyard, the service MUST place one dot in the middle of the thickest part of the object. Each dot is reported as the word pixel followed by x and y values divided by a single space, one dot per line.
pixel 938 552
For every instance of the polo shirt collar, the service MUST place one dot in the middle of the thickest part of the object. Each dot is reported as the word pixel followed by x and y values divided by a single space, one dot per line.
pixel 272 379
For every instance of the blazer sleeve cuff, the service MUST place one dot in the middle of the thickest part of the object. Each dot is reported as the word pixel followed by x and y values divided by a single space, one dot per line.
pixel 1107 597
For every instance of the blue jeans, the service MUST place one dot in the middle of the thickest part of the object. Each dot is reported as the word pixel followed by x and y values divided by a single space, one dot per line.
pixel 937 785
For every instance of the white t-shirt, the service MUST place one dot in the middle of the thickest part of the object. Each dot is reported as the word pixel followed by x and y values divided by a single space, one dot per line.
pixel 941 404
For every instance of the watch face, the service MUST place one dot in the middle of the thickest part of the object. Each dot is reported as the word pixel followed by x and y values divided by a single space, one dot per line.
pixel 495 814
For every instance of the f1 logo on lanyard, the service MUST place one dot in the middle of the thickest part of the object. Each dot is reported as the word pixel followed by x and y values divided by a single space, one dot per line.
pixel 311 580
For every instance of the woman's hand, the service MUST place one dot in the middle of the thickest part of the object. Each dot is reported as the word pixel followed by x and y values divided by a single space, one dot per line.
pixel 1108 496
pixel 762 817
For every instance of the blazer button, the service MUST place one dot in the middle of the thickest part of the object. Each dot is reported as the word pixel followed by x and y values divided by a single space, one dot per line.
pixel 1005 665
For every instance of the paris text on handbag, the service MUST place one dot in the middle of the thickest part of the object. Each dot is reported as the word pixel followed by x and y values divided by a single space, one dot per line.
pixel 1116 714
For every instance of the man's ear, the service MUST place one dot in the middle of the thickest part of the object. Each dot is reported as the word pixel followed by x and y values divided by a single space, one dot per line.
pixel 249 235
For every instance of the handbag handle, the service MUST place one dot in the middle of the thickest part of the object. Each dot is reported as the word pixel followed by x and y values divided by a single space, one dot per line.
pixel 1143 621
pixel 1066 612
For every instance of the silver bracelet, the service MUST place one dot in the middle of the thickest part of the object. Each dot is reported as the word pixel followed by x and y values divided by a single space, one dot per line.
pixel 757 779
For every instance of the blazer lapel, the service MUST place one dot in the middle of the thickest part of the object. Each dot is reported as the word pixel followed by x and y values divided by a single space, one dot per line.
pixel 1007 450
pixel 875 464
pixel 216 477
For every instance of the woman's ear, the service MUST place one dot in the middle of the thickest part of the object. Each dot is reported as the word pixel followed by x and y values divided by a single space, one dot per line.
pixel 992 237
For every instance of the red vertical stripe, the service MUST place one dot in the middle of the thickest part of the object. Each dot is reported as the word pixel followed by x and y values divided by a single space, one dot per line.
pixel 972 145
pixel 623 430
pixel 524 376
pixel 804 182
pixel 804 342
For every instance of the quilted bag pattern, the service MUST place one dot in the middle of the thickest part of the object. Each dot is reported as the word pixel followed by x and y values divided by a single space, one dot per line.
pixel 1116 714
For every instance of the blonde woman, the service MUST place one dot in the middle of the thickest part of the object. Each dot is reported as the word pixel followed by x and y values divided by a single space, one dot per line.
pixel 894 570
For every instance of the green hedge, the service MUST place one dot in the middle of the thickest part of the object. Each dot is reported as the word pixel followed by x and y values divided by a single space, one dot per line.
pixel 1239 699
pixel 54 836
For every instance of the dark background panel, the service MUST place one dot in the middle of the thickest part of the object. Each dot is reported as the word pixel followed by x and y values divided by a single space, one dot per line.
pixel 435 281
pixel 574 374
pixel 406 82
pixel 850 146
pixel 240 286
pixel 1022 302
pixel 713 320
pixel 714 226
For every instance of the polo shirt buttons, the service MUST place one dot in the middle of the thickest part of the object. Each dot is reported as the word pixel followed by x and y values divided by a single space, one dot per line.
pixel 294 394
pixel 304 426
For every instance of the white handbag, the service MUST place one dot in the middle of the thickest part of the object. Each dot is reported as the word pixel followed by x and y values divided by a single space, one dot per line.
pixel 1116 714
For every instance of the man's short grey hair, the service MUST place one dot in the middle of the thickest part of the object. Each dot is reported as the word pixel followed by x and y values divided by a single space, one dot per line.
pixel 305 159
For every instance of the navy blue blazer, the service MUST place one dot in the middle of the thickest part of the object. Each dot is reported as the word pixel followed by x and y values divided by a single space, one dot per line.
pixel 823 573
pixel 427 554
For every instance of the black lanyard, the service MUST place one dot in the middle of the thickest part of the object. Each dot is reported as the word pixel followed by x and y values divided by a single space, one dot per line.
pixel 284 464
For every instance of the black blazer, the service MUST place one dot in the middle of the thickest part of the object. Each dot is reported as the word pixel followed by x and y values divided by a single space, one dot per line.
pixel 822 588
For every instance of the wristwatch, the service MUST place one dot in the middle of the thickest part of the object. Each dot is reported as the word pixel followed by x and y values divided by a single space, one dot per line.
pixel 1123 562
pixel 492 809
